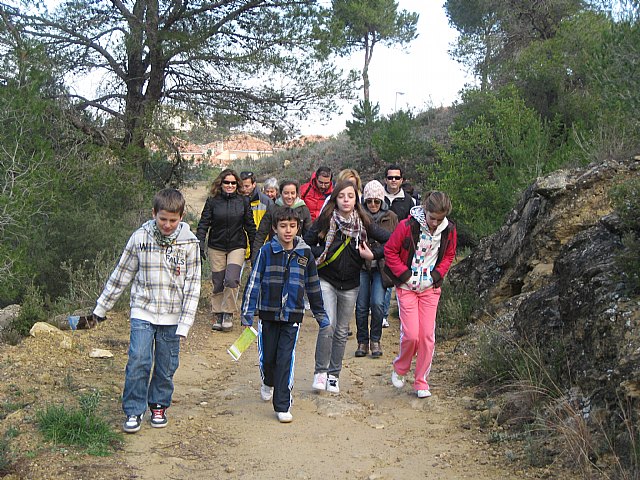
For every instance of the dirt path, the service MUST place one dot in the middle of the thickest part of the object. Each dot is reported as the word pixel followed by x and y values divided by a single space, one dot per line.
pixel 220 428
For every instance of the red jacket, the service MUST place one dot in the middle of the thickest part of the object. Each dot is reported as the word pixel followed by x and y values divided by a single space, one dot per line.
pixel 401 246
pixel 313 197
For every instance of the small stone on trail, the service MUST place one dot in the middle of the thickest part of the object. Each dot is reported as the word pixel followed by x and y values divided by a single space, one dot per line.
pixel 204 404
pixel 100 353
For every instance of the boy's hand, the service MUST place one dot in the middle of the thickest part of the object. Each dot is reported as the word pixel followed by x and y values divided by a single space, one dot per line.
pixel 246 321
pixel 94 320
pixel 324 323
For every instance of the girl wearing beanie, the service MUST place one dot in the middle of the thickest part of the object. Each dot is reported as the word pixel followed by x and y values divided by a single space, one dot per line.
pixel 371 293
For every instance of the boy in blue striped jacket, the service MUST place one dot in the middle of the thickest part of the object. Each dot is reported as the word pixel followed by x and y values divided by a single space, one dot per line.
pixel 284 268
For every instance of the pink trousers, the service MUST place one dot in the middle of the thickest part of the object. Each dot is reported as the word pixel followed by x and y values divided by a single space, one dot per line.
pixel 417 333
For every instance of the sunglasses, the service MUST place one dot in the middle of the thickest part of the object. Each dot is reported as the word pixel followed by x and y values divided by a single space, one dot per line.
pixel 229 182
pixel 393 177
pixel 244 175
pixel 375 201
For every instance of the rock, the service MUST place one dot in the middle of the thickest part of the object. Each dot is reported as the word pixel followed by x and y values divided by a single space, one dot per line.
pixel 8 315
pixel 100 353
pixel 43 328
pixel 550 277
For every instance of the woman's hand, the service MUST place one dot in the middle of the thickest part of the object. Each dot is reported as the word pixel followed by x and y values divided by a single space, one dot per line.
pixel 365 251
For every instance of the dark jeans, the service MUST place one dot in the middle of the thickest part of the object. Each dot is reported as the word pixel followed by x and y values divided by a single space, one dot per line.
pixel 370 296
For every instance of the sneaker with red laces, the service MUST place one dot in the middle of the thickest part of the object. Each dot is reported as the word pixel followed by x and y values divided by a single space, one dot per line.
pixel 158 416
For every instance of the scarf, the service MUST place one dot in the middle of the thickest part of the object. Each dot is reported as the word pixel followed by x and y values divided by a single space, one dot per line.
pixel 352 227
pixel 164 240
pixel 418 269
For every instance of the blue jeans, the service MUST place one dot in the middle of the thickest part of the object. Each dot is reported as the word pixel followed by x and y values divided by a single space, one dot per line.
pixel 387 302
pixel 155 346
pixel 370 296
pixel 332 340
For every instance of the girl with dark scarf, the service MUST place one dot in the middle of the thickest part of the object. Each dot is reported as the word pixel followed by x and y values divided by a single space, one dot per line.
pixel 339 240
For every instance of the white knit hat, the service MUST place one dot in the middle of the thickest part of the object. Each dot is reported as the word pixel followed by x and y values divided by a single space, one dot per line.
pixel 373 189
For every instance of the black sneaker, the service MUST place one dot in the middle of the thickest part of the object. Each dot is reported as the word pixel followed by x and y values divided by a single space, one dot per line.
pixel 132 424
pixel 158 415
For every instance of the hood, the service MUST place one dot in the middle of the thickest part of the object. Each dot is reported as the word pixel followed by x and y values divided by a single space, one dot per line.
pixel 298 202
pixel 421 217
pixel 315 186
pixel 184 236
pixel 299 245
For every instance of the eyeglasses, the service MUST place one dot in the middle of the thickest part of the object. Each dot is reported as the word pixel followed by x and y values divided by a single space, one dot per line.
pixel 375 201
pixel 393 177
pixel 229 182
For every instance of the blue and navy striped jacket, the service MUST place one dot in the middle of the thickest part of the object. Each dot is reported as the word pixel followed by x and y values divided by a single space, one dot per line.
pixel 278 282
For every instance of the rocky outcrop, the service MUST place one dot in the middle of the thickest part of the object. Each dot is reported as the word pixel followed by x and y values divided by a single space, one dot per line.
pixel 550 276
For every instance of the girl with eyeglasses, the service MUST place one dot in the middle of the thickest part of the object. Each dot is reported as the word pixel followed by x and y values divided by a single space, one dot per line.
pixel 419 253
pixel 371 293
pixel 339 240
pixel 225 225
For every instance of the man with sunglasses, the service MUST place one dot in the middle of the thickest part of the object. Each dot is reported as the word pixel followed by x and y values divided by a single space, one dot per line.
pixel 400 203
pixel 398 200
pixel 315 191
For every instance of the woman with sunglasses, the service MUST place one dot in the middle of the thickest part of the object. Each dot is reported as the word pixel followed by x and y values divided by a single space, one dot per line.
pixel 227 221
pixel 371 293
pixel 339 240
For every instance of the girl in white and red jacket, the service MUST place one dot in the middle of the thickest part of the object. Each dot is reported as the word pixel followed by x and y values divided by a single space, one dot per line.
pixel 419 253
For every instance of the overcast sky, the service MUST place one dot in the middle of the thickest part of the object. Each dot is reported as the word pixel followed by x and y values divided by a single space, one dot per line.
pixel 422 76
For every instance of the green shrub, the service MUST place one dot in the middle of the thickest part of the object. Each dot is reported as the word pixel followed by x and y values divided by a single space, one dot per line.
pixel 80 427
pixel 86 282
pixel 626 201
pixel 454 311
pixel 5 457
pixel 32 311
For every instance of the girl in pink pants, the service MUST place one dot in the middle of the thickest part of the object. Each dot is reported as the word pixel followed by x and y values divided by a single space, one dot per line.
pixel 419 253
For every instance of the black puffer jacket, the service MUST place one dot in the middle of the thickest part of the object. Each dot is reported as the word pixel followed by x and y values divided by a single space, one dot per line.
pixel 228 220
pixel 344 272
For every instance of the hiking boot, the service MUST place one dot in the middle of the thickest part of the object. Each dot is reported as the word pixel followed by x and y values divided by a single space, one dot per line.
pixel 319 381
pixel 266 392
pixel 133 423
pixel 385 323
pixel 333 385
pixel 376 351
pixel 423 393
pixel 227 322
pixel 397 380
pixel 217 322
pixel 362 350
pixel 284 417
pixel 158 415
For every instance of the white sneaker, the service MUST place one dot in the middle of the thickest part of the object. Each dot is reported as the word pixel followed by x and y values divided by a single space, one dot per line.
pixel 385 323
pixel 284 417
pixel 266 392
pixel 319 381
pixel 423 393
pixel 397 380
pixel 333 385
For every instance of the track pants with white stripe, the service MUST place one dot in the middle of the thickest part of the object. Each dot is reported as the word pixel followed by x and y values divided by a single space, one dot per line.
pixel 277 353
